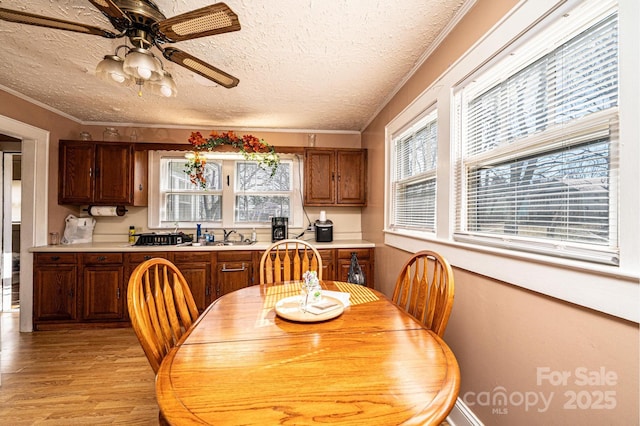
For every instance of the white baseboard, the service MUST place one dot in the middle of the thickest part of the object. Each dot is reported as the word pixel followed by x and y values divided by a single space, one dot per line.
pixel 461 415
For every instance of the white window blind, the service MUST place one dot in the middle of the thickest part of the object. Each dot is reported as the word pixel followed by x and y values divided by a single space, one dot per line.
pixel 414 176
pixel 538 165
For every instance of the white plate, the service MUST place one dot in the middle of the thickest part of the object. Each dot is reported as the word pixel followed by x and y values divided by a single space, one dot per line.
pixel 289 308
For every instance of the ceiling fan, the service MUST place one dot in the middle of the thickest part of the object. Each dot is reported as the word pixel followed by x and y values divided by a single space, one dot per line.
pixel 142 22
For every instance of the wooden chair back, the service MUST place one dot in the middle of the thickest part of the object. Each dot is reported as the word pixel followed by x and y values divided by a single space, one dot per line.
pixel 288 260
pixel 425 290
pixel 161 307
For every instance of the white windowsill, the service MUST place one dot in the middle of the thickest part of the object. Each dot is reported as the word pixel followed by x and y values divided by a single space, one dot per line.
pixel 607 289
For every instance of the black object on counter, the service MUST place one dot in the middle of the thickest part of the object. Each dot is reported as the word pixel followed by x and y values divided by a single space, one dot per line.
pixel 162 239
pixel 324 231
pixel 279 228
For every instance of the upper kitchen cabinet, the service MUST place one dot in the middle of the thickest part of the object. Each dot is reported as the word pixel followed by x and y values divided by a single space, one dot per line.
pixel 96 173
pixel 335 177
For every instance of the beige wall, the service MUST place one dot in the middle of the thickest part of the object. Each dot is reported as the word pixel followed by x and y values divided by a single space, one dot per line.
pixel 115 229
pixel 58 127
pixel 501 334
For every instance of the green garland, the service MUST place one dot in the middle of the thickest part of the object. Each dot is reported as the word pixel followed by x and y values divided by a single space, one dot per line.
pixel 251 148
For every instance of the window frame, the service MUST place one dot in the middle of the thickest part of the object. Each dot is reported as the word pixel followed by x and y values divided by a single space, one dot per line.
pixel 228 193
pixel 430 114
pixel 606 288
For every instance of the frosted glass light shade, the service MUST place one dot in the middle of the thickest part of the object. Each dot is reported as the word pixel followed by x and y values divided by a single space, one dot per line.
pixel 141 64
pixel 165 86
pixel 110 70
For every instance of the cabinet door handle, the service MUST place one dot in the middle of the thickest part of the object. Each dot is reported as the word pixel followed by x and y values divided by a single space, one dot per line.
pixel 102 258
pixel 90 171
pixel 147 257
pixel 333 176
pixel 118 293
pixel 55 258
pixel 140 187
pixel 71 292
pixel 225 269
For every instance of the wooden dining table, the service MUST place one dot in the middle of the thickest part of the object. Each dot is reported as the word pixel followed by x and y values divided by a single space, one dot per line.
pixel 243 364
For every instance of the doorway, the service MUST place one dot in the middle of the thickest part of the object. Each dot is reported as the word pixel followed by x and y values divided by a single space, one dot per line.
pixel 34 208
pixel 11 224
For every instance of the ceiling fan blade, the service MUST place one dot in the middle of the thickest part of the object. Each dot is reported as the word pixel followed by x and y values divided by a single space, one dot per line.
pixel 215 19
pixel 196 65
pixel 111 10
pixel 59 24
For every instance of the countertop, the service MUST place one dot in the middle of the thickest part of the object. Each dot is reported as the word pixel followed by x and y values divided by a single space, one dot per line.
pixel 126 247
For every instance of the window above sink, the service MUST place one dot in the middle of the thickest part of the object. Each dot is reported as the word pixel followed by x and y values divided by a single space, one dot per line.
pixel 238 193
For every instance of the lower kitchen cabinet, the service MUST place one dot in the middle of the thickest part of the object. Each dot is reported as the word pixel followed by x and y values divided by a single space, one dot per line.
pixel 131 261
pixel 234 270
pixel 74 289
pixel 197 270
pixel 328 264
pixel 55 288
pixel 365 260
pixel 103 290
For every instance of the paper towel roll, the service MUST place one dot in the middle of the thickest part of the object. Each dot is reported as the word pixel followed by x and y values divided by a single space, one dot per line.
pixel 323 216
pixel 107 210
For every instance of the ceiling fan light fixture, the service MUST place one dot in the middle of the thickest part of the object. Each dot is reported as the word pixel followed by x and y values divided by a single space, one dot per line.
pixel 142 64
pixel 145 26
pixel 165 87
pixel 110 70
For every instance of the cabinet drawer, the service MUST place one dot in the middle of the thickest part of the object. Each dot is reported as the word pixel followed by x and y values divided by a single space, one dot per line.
pixel 101 258
pixel 361 253
pixel 326 255
pixel 235 256
pixel 137 258
pixel 54 258
pixel 191 256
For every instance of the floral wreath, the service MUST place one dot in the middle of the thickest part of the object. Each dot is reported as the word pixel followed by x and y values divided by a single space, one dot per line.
pixel 251 148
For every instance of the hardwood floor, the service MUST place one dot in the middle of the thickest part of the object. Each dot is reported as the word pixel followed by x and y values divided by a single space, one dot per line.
pixel 80 377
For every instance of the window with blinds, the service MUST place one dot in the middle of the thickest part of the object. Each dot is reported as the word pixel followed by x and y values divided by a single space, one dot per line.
pixel 237 192
pixel 537 167
pixel 413 183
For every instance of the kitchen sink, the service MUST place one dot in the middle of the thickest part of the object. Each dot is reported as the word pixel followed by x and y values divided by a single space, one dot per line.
pixel 220 243
pixel 233 243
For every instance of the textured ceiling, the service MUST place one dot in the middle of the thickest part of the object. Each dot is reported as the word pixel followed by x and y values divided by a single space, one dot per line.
pixel 302 64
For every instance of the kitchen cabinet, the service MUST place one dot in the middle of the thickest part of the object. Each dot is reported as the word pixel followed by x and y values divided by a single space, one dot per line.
pixel 95 173
pixel 197 270
pixel 335 177
pixel 234 270
pixel 90 289
pixel 140 178
pixel 103 290
pixel 328 264
pixel 366 259
pixel 55 288
pixel 131 261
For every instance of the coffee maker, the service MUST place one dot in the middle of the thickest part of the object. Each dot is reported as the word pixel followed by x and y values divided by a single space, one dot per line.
pixel 279 228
